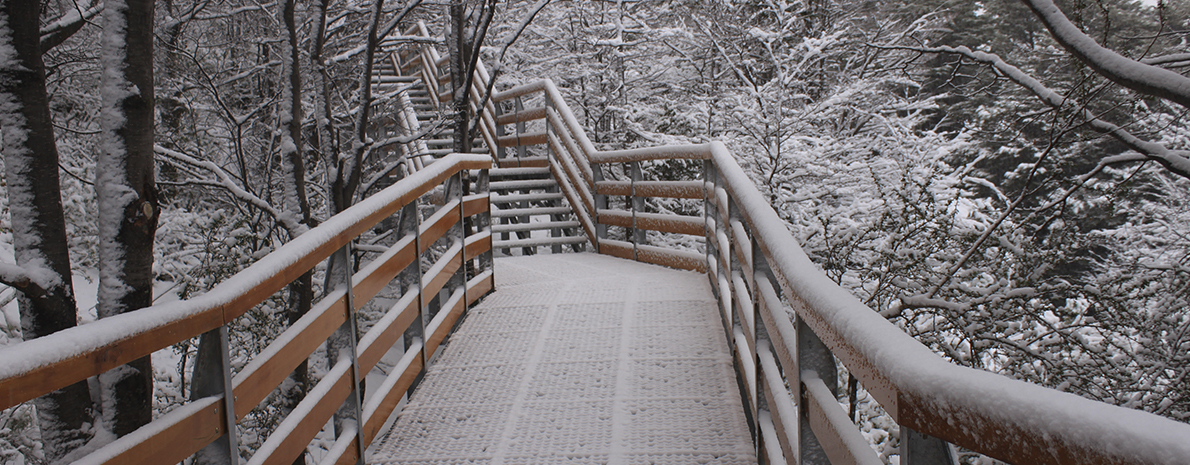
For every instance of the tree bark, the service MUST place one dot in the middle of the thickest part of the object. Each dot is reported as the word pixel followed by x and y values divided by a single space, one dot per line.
pixel 39 227
pixel 127 196
pixel 459 50
pixel 295 203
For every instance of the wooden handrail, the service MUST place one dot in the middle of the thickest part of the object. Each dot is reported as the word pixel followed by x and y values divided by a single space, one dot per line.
pixel 1004 418
pixel 35 367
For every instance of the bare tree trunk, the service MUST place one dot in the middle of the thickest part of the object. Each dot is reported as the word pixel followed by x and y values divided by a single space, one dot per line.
pixel 39 227
pixel 324 127
pixel 127 195
pixel 459 50
pixel 463 42
pixel 301 291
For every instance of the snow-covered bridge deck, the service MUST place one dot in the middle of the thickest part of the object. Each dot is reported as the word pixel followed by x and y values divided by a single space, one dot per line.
pixel 580 358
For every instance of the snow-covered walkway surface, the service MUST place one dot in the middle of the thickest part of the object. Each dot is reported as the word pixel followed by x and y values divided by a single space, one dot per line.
pixel 580 358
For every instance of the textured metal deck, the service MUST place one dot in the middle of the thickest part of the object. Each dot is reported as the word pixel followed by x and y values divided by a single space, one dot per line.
pixel 579 358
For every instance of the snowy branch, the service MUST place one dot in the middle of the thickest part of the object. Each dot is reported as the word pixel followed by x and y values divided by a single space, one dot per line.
pixel 18 278
pixel 1176 161
pixel 1135 75
pixel 289 222
pixel 56 32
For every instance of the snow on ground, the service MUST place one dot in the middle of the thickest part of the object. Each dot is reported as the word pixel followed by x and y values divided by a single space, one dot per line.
pixel 580 358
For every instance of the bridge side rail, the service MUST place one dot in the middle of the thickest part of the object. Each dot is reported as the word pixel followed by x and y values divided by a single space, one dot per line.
pixel 455 241
pixel 788 322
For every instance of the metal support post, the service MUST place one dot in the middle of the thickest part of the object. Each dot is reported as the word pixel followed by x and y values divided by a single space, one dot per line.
pixel 357 394
pixel 600 204
pixel 212 377
pixel 923 449
pixel 814 356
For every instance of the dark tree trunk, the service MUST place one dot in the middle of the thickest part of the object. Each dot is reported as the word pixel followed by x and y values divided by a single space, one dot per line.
pixel 39 227
pixel 459 49
pixel 301 291
pixel 127 195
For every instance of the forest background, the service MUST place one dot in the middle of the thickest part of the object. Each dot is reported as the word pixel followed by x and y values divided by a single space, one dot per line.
pixel 898 141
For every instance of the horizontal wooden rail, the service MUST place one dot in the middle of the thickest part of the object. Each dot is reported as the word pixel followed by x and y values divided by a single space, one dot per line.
pixel 678 224
pixel 669 189
pixel 52 362
pixel 521 116
pixel 42 365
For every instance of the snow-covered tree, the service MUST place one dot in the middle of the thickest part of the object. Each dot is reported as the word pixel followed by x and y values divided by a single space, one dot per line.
pixel 42 269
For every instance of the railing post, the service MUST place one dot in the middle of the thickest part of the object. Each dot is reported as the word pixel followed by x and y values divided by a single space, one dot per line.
pixel 741 326
pixel 635 203
pixel 464 228
pixel 813 356
pixel 521 150
pixel 600 204
pixel 760 336
pixel 551 161
pixel 484 220
pixel 422 303
pixel 922 449
pixel 500 131
pixel 212 376
pixel 356 399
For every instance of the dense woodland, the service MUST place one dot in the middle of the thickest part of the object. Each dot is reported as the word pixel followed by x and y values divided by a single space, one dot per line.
pixel 1012 204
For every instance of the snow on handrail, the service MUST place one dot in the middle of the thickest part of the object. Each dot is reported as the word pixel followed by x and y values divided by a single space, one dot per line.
pixel 31 368
pixel 986 412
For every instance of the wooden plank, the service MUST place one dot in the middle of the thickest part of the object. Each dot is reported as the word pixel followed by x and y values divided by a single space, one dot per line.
pixel 442 270
pixel 387 331
pixel 743 302
pixel 170 439
pixel 743 247
pixel 677 224
pixel 268 369
pixel 667 189
pixel 566 172
pixel 39 380
pixel 477 244
pixel 475 204
pixel 436 226
pixel 526 162
pixel 479 286
pixel 768 432
pixel 581 157
pixel 679 259
pixel 388 395
pixel 517 140
pixel 345 450
pixel 839 437
pixel 781 407
pixel 664 152
pixel 294 433
pixel 520 116
pixel 377 274
pixel 584 207
pixel 445 320
pixel 616 248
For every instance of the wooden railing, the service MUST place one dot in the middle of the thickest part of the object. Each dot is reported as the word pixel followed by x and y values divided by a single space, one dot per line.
pixel 460 274
pixel 788 324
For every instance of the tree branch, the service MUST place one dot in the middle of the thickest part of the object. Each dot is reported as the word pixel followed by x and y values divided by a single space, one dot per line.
pixel 1176 161
pixel 18 278
pixel 53 34
pixel 291 224
pixel 1135 75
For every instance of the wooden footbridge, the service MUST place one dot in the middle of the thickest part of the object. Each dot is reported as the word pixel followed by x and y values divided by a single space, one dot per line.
pixel 627 353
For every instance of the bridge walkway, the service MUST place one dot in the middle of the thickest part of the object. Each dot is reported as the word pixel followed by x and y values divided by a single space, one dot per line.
pixel 580 358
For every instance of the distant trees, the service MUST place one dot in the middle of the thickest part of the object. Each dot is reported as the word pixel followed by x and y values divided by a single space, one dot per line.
pixel 1031 228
